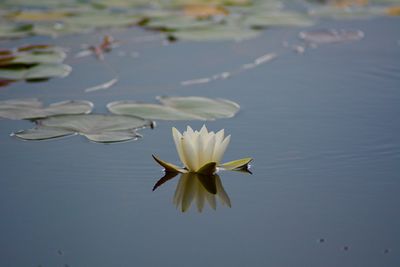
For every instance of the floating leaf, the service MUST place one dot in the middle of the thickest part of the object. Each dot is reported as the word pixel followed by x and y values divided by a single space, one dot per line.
pixel 330 36
pixel 96 127
pixel 204 10
pixel 38 15
pixel 33 109
pixel 217 32
pixel 33 62
pixel 149 111
pixel 277 18
pixel 207 108
pixel 42 133
pixel 174 22
pixel 12 31
pixel 41 71
pixel 178 108
pixel 35 54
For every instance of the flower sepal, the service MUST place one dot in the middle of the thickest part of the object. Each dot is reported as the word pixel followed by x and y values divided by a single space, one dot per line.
pixel 236 165
pixel 208 168
pixel 169 167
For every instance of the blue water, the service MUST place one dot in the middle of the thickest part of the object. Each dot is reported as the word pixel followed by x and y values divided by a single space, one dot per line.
pixel 322 128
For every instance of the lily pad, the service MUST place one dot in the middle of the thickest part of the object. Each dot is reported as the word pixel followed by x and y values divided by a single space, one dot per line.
pixel 19 109
pixel 277 18
pixel 331 36
pixel 42 133
pixel 33 62
pixel 217 32
pixel 175 22
pixel 13 31
pixel 95 127
pixel 177 108
pixel 41 71
pixel 35 54
pixel 207 108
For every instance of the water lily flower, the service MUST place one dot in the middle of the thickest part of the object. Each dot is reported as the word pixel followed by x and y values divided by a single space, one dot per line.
pixel 202 152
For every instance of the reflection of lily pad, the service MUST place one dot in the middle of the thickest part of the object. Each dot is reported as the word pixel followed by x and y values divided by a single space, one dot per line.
pixel 33 109
pixel 95 127
pixel 178 108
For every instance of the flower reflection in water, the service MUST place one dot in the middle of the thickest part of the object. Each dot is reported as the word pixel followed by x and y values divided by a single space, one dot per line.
pixel 197 188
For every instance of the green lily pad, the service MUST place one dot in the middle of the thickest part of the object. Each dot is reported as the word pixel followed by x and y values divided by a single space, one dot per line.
pixel 33 62
pixel 218 32
pixel 149 111
pixel 19 109
pixel 42 133
pixel 95 127
pixel 277 18
pixel 207 108
pixel 39 71
pixel 330 36
pixel 177 22
pixel 13 31
pixel 36 54
pixel 177 108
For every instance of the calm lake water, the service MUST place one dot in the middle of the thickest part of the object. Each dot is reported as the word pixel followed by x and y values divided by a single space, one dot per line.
pixel 323 129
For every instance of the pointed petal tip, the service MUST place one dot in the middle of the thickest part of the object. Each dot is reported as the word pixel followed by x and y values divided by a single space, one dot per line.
pixel 168 167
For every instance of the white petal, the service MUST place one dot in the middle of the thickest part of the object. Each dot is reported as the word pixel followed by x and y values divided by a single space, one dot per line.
pixel 209 150
pixel 189 130
pixel 178 143
pixel 190 154
pixel 203 130
pixel 219 137
pixel 219 151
